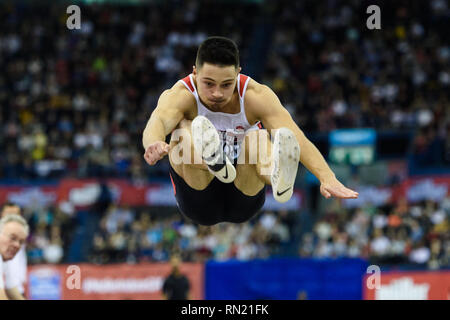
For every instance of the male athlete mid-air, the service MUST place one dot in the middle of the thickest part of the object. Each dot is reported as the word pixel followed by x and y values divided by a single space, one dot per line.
pixel 243 135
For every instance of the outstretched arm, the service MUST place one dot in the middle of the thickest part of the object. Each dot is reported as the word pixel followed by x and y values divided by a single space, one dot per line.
pixel 273 116
pixel 172 105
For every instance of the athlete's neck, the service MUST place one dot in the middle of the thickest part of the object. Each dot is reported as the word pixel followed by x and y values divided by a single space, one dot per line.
pixel 231 107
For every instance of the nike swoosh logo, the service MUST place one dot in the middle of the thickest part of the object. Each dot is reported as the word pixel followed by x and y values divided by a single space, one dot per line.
pixel 281 193
pixel 226 172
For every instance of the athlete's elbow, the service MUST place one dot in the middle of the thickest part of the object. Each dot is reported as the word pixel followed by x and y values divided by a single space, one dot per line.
pixel 146 136
pixel 154 131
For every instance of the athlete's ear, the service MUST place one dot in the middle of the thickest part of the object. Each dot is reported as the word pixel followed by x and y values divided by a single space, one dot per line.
pixel 194 70
pixel 239 70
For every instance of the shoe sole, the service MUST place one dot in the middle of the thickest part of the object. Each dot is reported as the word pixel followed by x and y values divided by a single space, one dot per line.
pixel 285 155
pixel 207 143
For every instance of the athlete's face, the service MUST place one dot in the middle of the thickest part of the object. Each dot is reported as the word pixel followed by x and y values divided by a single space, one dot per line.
pixel 12 237
pixel 215 84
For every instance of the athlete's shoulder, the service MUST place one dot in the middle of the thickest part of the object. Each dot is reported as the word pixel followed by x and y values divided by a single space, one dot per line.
pixel 178 89
pixel 177 96
pixel 257 93
pixel 260 100
pixel 255 88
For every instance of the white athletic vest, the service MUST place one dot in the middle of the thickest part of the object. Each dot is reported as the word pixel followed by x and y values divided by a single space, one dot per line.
pixel 15 271
pixel 231 127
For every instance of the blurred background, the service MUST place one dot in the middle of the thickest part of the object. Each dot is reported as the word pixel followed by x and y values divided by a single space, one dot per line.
pixel 74 103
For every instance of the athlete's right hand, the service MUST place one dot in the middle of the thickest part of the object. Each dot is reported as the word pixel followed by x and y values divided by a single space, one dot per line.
pixel 155 152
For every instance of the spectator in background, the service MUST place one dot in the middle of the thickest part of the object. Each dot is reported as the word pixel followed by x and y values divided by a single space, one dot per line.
pixel 53 252
pixel 416 234
pixel 176 286
pixel 16 268
pixel 98 210
pixel 13 234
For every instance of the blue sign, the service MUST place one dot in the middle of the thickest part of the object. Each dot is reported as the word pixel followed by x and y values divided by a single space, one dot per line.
pixel 352 137
pixel 45 284
pixel 285 279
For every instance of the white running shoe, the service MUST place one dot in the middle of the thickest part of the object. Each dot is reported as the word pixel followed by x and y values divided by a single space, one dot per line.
pixel 285 155
pixel 208 144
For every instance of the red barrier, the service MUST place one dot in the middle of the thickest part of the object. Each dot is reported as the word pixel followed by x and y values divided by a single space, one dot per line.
pixel 82 193
pixel 106 282
pixel 425 285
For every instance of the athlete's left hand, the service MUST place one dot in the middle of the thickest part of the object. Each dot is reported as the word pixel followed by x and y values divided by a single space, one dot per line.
pixel 333 188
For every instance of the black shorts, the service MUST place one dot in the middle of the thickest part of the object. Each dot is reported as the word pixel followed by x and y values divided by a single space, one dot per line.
pixel 219 202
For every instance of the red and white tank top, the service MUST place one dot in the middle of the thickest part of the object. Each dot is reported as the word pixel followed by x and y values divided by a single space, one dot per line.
pixel 231 127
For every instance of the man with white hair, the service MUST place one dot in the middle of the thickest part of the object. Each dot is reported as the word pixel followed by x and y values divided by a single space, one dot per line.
pixel 13 234
pixel 15 270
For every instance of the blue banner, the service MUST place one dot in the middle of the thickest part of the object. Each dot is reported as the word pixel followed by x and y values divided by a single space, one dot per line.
pixel 45 284
pixel 352 137
pixel 285 279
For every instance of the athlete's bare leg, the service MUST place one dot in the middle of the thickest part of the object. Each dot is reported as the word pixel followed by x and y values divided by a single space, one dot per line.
pixel 274 163
pixel 253 173
pixel 255 164
pixel 197 176
pixel 250 176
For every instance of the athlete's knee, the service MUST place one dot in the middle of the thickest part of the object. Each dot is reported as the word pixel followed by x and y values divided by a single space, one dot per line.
pixel 248 181
pixel 185 124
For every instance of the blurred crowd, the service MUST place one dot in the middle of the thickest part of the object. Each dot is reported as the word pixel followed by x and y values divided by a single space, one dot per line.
pixel 132 236
pixel 51 233
pixel 402 233
pixel 332 72
pixel 394 78
pixel 75 102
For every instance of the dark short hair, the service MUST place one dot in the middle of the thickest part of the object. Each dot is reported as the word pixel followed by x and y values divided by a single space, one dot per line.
pixel 219 51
